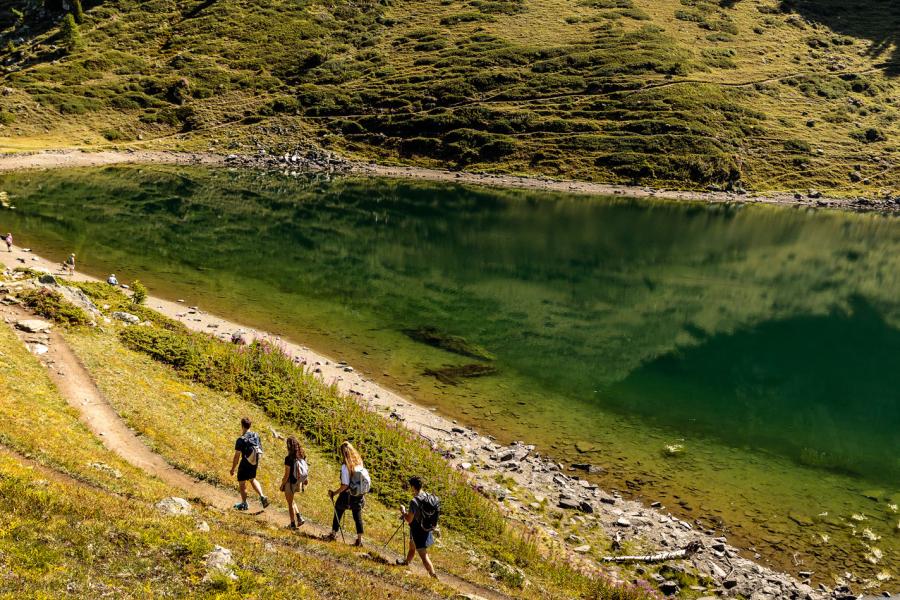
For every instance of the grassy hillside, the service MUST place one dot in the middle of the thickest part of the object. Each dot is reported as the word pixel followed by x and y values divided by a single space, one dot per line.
pixel 777 94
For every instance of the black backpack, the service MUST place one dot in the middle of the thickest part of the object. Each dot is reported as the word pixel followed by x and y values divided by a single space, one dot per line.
pixel 428 510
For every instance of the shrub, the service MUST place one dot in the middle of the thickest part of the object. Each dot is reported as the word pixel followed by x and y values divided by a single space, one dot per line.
pixel 71 36
pixel 6 118
pixel 139 292
pixel 51 305
pixel 868 136
pixel 78 12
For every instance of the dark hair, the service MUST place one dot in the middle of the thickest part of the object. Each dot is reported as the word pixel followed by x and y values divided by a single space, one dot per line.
pixel 295 450
pixel 416 482
pixel 245 422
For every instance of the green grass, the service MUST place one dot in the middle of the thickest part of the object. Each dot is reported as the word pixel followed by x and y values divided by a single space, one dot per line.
pixel 664 92
pixel 194 427
pixel 50 304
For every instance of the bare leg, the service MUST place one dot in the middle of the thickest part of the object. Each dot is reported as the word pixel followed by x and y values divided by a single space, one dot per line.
pixel 411 554
pixel 242 488
pixel 426 560
pixel 257 487
pixel 292 508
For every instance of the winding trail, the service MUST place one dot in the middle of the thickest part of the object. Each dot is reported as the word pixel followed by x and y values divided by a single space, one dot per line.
pixel 79 390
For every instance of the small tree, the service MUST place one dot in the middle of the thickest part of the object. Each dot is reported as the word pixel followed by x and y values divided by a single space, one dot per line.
pixel 71 36
pixel 78 12
pixel 139 292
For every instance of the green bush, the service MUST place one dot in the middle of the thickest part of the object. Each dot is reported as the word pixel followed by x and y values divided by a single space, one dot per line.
pixel 70 34
pixel 139 292
pixel 51 305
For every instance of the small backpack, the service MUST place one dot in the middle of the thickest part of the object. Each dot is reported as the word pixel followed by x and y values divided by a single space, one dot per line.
pixel 428 511
pixel 252 448
pixel 360 482
pixel 301 470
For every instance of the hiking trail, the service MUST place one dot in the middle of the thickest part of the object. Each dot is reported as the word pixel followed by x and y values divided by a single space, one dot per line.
pixel 77 387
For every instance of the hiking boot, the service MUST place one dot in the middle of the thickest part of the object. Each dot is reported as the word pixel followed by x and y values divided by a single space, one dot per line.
pixel 241 506
pixel 358 543
pixel 292 526
pixel 401 562
pixel 300 521
pixel 330 537
pixel 264 501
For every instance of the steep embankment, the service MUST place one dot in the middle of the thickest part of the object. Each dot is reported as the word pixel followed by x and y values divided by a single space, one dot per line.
pixel 775 94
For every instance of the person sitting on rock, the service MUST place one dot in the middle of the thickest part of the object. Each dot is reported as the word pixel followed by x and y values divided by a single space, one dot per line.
pixel 111 280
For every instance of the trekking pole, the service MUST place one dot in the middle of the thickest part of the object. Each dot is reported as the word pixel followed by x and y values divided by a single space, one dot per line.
pixel 340 526
pixel 390 539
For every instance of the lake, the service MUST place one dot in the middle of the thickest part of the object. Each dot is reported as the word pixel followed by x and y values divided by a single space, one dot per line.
pixel 738 364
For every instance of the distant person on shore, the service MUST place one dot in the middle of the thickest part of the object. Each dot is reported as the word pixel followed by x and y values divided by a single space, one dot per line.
pixel 296 472
pixel 9 242
pixel 422 516
pixel 247 452
pixel 69 265
pixel 355 484
pixel 111 280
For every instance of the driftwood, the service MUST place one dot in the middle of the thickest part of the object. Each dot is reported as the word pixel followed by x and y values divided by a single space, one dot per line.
pixel 685 552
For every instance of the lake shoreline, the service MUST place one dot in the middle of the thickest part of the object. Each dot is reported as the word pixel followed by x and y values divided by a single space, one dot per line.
pixel 55 159
pixel 545 483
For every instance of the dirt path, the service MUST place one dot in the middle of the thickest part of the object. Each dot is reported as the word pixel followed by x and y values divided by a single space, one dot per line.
pixel 79 390
pixel 52 159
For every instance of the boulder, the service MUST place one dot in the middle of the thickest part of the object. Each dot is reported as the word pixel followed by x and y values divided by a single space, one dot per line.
pixel 585 507
pixel 174 506
pixel 33 325
pixel 126 317
pixel 669 588
pixel 568 504
pixel 219 562
pixel 582 549
pixel 38 349
pixel 48 279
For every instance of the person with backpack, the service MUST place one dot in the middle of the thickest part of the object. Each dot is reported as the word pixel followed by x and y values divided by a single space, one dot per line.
pixel 296 473
pixel 422 516
pixel 355 484
pixel 247 452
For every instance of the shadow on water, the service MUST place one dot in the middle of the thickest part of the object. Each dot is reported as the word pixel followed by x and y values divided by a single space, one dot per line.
pixel 875 20
pixel 822 390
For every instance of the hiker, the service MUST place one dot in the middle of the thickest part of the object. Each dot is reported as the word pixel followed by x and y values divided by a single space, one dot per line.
pixel 247 452
pixel 355 484
pixel 9 241
pixel 111 280
pixel 422 516
pixel 296 471
pixel 69 265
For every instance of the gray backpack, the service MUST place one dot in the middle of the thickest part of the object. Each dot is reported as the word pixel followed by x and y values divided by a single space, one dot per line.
pixel 360 482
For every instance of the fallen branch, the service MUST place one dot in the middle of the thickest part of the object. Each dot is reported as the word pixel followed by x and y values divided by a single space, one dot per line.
pixel 685 552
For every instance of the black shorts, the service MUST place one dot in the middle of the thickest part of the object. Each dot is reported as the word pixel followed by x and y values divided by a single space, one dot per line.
pixel 421 538
pixel 246 471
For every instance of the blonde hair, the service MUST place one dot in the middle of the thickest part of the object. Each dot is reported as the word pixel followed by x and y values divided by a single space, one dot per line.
pixel 351 457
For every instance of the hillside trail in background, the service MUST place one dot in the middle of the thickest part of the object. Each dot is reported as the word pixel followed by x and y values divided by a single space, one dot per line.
pixel 75 384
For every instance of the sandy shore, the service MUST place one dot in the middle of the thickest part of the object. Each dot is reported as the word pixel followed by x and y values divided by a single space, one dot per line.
pixel 542 486
pixel 51 159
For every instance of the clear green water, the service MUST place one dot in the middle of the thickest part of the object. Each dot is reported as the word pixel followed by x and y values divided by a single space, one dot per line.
pixel 764 340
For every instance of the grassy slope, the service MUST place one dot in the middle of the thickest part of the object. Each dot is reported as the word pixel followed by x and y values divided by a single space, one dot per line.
pixel 679 92
pixel 118 530
pixel 83 521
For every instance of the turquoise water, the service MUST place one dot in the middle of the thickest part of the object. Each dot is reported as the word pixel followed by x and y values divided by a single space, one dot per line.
pixel 764 340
